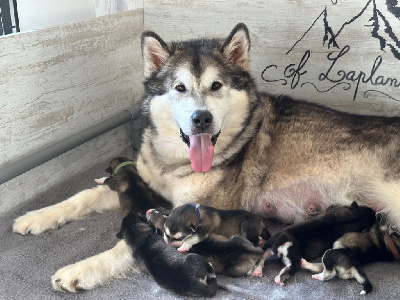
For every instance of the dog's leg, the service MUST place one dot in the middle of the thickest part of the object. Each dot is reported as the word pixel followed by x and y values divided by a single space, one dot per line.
pixel 97 270
pixel 362 279
pixel 97 199
pixel 260 265
pixel 328 261
pixel 290 255
pixel 313 267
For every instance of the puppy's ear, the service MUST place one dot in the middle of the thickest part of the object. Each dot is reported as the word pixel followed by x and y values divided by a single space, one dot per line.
pixel 155 53
pixel 237 46
pixel 354 204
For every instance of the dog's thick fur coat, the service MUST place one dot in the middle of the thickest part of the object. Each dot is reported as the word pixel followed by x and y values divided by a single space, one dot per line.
pixel 274 156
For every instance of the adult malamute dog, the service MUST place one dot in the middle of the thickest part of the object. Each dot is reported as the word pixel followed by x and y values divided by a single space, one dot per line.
pixel 214 139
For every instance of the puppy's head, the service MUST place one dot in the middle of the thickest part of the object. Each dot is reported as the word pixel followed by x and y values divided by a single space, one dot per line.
pixel 353 217
pixel 182 223
pixel 114 164
pixel 156 217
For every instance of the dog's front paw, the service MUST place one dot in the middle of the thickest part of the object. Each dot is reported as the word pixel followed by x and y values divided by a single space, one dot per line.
pixel 36 222
pixel 75 278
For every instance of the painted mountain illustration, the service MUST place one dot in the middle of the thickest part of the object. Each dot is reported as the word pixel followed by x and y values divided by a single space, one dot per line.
pixel 384 25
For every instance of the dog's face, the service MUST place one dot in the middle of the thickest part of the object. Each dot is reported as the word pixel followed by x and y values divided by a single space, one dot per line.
pixel 199 91
pixel 181 224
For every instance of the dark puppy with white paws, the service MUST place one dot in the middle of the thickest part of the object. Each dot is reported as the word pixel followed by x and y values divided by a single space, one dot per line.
pixel 355 249
pixel 133 193
pixel 190 224
pixel 185 274
pixel 309 240
pixel 234 256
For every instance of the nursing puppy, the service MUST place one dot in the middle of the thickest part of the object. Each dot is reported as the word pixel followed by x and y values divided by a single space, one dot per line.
pixel 234 256
pixel 185 274
pixel 133 192
pixel 190 224
pixel 312 238
pixel 355 249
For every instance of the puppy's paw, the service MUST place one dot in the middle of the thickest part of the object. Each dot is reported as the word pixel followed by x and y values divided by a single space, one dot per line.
pixel 318 276
pixel 36 222
pixel 184 248
pixel 100 180
pixel 257 272
pixel 278 281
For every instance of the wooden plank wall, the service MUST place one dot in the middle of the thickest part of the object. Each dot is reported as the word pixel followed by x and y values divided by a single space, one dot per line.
pixel 344 54
pixel 58 81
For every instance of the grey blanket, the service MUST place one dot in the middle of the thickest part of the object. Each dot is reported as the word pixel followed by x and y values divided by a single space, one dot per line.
pixel 28 262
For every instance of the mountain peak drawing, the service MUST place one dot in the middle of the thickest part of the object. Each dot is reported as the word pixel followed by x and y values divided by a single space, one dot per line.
pixel 384 20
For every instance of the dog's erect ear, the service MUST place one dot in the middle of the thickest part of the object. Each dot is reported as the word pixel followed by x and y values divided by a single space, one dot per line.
pixel 354 204
pixel 237 46
pixel 154 51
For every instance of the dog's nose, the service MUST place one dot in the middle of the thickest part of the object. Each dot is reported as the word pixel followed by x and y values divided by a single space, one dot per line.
pixel 202 119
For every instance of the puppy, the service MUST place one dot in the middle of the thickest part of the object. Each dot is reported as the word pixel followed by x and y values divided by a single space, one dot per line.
pixel 184 274
pixel 190 224
pixel 355 249
pixel 312 238
pixel 234 257
pixel 133 193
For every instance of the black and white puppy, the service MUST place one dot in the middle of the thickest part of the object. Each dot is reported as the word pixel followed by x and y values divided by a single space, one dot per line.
pixel 309 240
pixel 234 256
pixel 184 274
pixel 355 249
pixel 190 224
pixel 134 194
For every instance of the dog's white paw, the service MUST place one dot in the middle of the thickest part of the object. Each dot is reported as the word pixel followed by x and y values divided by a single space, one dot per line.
pixel 77 277
pixel 36 222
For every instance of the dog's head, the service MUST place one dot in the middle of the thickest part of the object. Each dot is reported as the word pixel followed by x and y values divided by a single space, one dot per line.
pixel 198 95
pixel 156 217
pixel 181 223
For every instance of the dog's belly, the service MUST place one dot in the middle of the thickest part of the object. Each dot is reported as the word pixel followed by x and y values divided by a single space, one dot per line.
pixel 306 199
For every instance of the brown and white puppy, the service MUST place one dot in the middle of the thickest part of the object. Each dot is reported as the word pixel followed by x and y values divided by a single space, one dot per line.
pixel 355 249
pixel 311 239
pixel 190 224
pixel 185 274
pixel 234 256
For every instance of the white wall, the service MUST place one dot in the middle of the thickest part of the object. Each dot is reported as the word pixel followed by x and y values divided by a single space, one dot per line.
pixel 39 14
pixel 59 81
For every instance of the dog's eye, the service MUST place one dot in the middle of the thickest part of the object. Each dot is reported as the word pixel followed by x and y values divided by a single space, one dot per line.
pixel 180 88
pixel 216 86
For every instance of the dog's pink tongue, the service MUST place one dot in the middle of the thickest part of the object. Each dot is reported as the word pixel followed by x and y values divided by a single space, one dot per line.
pixel 201 152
